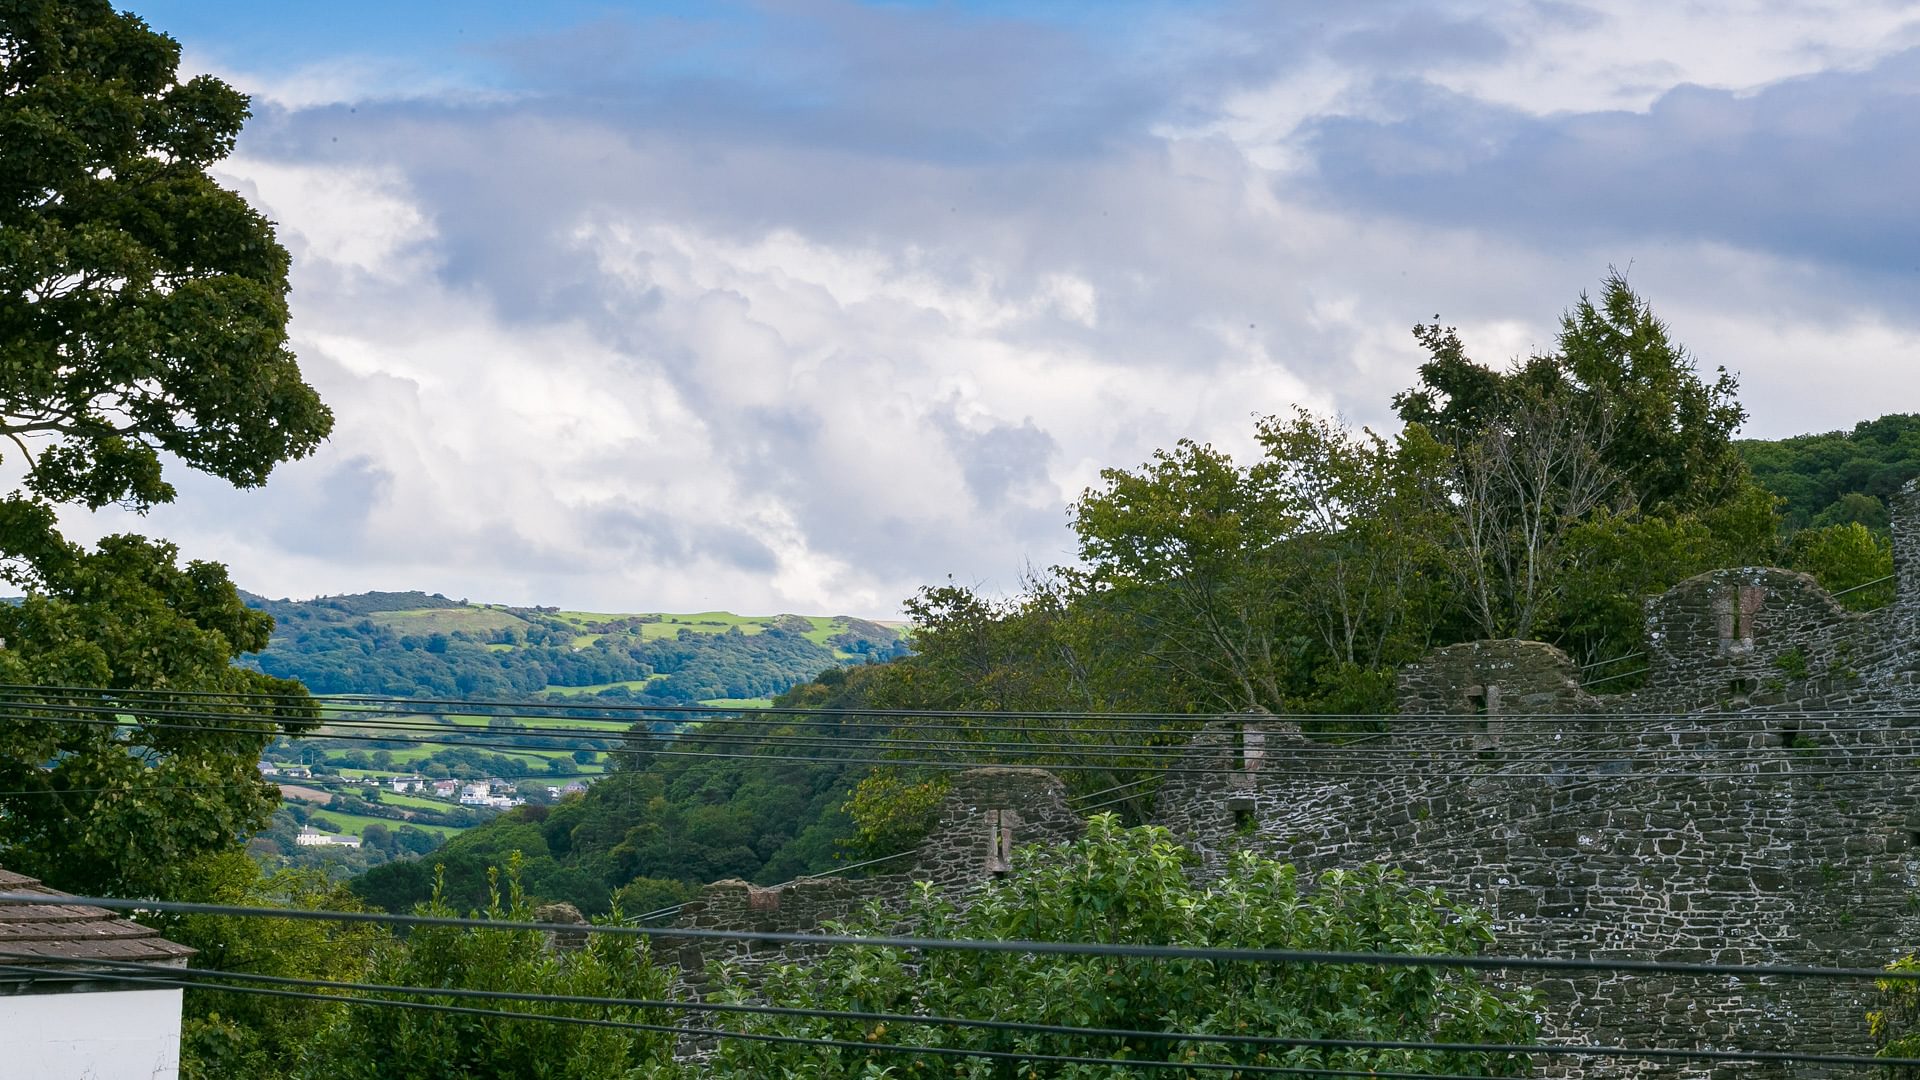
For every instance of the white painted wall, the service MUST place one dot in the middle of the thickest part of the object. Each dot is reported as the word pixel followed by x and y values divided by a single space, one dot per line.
pixel 107 1035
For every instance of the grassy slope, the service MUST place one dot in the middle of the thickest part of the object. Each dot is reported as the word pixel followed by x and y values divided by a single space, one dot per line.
pixel 357 823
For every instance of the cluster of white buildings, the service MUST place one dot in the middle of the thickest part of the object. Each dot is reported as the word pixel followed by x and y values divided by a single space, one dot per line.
pixel 482 793
pixel 495 793
pixel 420 785
pixel 312 837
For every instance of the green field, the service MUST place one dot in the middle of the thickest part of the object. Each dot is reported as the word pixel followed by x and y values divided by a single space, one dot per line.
pixel 739 703
pixel 473 620
pixel 357 823
pixel 577 691
pixel 403 758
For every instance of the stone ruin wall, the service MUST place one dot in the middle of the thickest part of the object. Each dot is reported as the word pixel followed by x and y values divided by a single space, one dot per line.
pixel 984 815
pixel 1753 826
pixel 1680 842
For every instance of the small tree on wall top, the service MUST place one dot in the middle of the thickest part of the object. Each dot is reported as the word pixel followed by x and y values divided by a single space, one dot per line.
pixel 1895 1025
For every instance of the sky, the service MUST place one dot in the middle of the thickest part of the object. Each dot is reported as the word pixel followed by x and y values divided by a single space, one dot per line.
pixel 802 304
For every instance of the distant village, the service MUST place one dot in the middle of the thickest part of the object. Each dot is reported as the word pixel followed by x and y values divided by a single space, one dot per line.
pixel 492 793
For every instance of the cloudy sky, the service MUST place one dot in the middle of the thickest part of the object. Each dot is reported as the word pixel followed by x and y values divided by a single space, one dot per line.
pixel 796 305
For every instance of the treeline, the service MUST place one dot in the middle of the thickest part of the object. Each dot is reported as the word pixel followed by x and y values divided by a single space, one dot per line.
pixel 326 756
pixel 336 649
pixel 1839 477
pixel 1544 499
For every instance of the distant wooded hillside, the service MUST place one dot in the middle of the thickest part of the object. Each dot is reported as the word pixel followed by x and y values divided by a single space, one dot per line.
pixel 414 644
pixel 1839 476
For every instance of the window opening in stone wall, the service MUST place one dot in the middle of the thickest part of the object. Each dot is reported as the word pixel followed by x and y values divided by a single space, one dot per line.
pixel 1737 610
pixel 1242 810
pixel 1736 693
pixel 1485 703
pixel 1791 739
pixel 999 841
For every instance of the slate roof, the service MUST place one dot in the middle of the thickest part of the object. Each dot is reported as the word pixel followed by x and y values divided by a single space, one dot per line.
pixel 59 931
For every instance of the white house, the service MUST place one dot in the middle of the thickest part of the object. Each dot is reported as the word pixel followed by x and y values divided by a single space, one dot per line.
pixel 475 794
pixel 445 788
pixel 403 784
pixel 61 1013
pixel 312 837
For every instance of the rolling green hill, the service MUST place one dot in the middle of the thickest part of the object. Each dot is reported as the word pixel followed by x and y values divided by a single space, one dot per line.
pixel 414 644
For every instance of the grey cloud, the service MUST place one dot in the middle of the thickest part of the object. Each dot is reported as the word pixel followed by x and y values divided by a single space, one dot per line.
pixel 932 83
pixel 331 517
pixel 662 540
pixel 1001 460
pixel 1569 16
pixel 1819 167
pixel 1419 39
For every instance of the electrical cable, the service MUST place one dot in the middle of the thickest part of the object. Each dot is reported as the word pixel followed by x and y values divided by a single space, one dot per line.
pixel 768 1037
pixel 1282 767
pixel 1066 948
pixel 373 702
pixel 1025 1027
pixel 1193 747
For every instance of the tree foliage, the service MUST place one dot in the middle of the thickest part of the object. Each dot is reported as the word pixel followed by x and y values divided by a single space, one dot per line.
pixel 121 810
pixel 1130 886
pixel 1840 476
pixel 369 1043
pixel 241 1035
pixel 685 820
pixel 142 306
pixel 1850 559
pixel 1668 434
pixel 1250 581
pixel 1895 1024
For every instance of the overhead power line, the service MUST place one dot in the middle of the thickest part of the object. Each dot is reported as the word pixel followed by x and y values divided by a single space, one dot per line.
pixel 1275 765
pixel 1066 948
pixel 205 979
pixel 454 706
pixel 797 1040
pixel 1194 744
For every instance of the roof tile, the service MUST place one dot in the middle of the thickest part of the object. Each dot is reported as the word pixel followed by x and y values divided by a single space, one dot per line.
pixel 61 931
